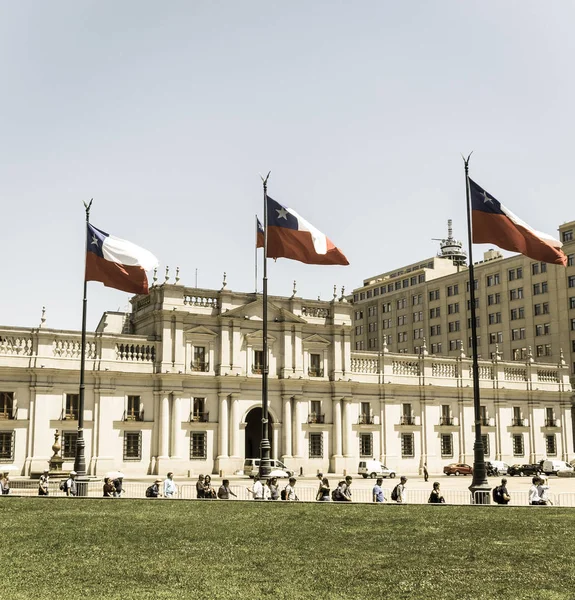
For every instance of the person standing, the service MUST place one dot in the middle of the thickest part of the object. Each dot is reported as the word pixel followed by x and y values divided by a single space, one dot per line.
pixel 377 493
pixel 425 473
pixel 109 488
pixel 273 491
pixel 534 497
pixel 401 492
pixel 320 478
pixel 71 488
pixel 200 487
pixel 436 497
pixel 543 491
pixel 6 484
pixel 118 486
pixel 43 483
pixel 170 488
pixel 290 490
pixel 323 492
pixel 346 489
pixel 257 489
pixel 224 491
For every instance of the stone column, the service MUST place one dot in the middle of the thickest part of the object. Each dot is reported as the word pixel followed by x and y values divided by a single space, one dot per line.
pixel 337 452
pixel 297 430
pixel 223 427
pixel 346 433
pixel 275 440
pixel 235 426
pixel 287 431
pixel 164 441
pixel 176 426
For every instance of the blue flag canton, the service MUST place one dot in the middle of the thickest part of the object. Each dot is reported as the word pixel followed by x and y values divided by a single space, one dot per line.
pixel 95 240
pixel 260 226
pixel 279 216
pixel 483 201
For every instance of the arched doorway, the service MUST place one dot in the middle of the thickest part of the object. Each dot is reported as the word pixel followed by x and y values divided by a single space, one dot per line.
pixel 254 432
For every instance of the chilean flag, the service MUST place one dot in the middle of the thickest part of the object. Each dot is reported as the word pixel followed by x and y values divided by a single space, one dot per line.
pixel 259 234
pixel 493 223
pixel 291 236
pixel 117 263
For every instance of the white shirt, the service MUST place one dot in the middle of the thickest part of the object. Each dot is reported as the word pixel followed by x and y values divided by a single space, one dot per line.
pixel 258 490
pixel 534 495
pixel 170 488
pixel 543 490
pixel 290 493
pixel 401 493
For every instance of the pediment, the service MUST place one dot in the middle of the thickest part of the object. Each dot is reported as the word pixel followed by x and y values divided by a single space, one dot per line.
pixel 258 336
pixel 316 340
pixel 253 311
pixel 200 331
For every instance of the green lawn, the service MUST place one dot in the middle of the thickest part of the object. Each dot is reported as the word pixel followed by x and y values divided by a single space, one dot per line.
pixel 136 549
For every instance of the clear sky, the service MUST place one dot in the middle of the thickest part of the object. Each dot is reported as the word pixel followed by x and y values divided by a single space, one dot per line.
pixel 166 112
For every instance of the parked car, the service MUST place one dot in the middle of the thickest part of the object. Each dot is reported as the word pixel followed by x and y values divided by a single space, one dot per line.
pixel 373 469
pixel 458 469
pixel 498 467
pixel 252 466
pixel 551 467
pixel 525 470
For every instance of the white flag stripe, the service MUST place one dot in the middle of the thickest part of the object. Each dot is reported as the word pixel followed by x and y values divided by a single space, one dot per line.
pixel 544 236
pixel 319 239
pixel 126 253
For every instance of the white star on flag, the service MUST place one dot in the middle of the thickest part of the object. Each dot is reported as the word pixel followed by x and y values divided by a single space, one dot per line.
pixel 282 213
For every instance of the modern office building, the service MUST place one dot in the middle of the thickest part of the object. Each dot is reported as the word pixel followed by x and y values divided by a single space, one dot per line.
pixel 175 385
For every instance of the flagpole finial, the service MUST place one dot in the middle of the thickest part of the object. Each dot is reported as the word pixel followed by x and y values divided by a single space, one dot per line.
pixel 87 206
pixel 177 275
pixel 466 160
pixel 155 276
pixel 167 276
pixel 265 179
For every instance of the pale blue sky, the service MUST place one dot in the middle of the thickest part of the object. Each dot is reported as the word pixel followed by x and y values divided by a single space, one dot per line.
pixel 166 113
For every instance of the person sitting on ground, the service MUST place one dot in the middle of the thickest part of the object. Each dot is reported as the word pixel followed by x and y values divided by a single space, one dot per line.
pixel 6 484
pixel 200 487
pixel 154 490
pixel 290 490
pixel 534 497
pixel 109 488
pixel 346 489
pixel 43 483
pixel 377 492
pixel 436 497
pixel 209 491
pixel 257 489
pixel 319 478
pixel 273 489
pixel 224 491
pixel 337 495
pixel 323 494
pixel 118 486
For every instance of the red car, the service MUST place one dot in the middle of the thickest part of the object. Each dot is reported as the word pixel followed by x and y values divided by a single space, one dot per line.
pixel 458 469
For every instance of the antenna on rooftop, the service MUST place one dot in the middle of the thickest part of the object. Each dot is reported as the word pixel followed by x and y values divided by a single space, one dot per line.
pixel 451 248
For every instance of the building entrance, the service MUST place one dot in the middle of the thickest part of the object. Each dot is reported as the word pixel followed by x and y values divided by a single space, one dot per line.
pixel 254 433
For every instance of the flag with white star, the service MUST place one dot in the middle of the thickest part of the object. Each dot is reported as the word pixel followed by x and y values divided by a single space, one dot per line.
pixel 117 263
pixel 259 234
pixel 291 236
pixel 494 223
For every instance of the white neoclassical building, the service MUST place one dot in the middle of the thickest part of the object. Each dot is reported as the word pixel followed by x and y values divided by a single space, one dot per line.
pixel 176 385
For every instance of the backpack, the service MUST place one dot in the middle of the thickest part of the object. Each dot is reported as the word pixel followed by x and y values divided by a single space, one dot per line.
pixel 150 492
pixel 63 485
pixel 497 495
pixel 335 495
pixel 395 493
pixel 283 494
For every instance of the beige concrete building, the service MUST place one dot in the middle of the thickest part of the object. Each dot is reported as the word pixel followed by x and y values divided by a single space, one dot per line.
pixel 524 308
pixel 176 384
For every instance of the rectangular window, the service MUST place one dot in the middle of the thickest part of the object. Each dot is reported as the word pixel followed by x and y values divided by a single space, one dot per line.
pixel 258 365
pixel 405 283
pixel 316 445
pixel 418 333
pixel 496 337
pixel 315 366
pixel 69 439
pixel 453 308
pixel 446 445
pixel 477 322
pixel 436 348
pixel 434 312
pixel 572 302
pixel 371 327
pixel 417 299
pixel 418 316
pixel 200 361
pixel 358 331
pixel 6 446
pixel 132 445
pixel 571 281
pixel 359 345
pixel 386 307
pixel 453 326
pixel 413 280
pixel 402 303
pixel 369 293
pixel 315 408
pixel 386 324
pixel 544 287
pixel 435 330
pixel 407 449
pixel 434 295
pixel 568 235
pixel 475 285
pixel 485 440
pixel 551 445
pixel 366 445
pixel 199 414
pixel 134 410
pixel 6 405
pixel 402 319
pixel 198 445
pixel 453 344
pixel 536 289
pixel 453 290
pixel 72 401
pixel 535 269
pixel 402 336
pixel 518 449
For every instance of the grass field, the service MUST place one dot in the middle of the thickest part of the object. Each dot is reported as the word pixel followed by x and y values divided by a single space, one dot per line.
pixel 137 549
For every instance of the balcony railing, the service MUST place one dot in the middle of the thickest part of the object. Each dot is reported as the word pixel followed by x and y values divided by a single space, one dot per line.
pixel 7 415
pixel 314 418
pixel 407 420
pixel 518 423
pixel 315 372
pixel 202 366
pixel 257 369
pixel 199 417
pixel 68 415
pixel 133 416
pixel 366 420
pixel 551 423
pixel 485 421
pixel 446 421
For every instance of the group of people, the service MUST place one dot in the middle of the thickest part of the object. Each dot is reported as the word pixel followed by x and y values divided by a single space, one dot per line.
pixel 4 483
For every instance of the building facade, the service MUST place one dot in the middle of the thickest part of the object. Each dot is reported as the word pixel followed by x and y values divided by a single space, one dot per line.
pixel 524 308
pixel 176 386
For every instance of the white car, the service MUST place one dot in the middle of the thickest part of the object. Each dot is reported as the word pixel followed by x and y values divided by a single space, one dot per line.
pixel 373 469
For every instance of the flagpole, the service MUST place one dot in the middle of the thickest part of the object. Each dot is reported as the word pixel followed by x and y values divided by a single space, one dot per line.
pixel 80 458
pixel 265 466
pixel 479 483
pixel 256 257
